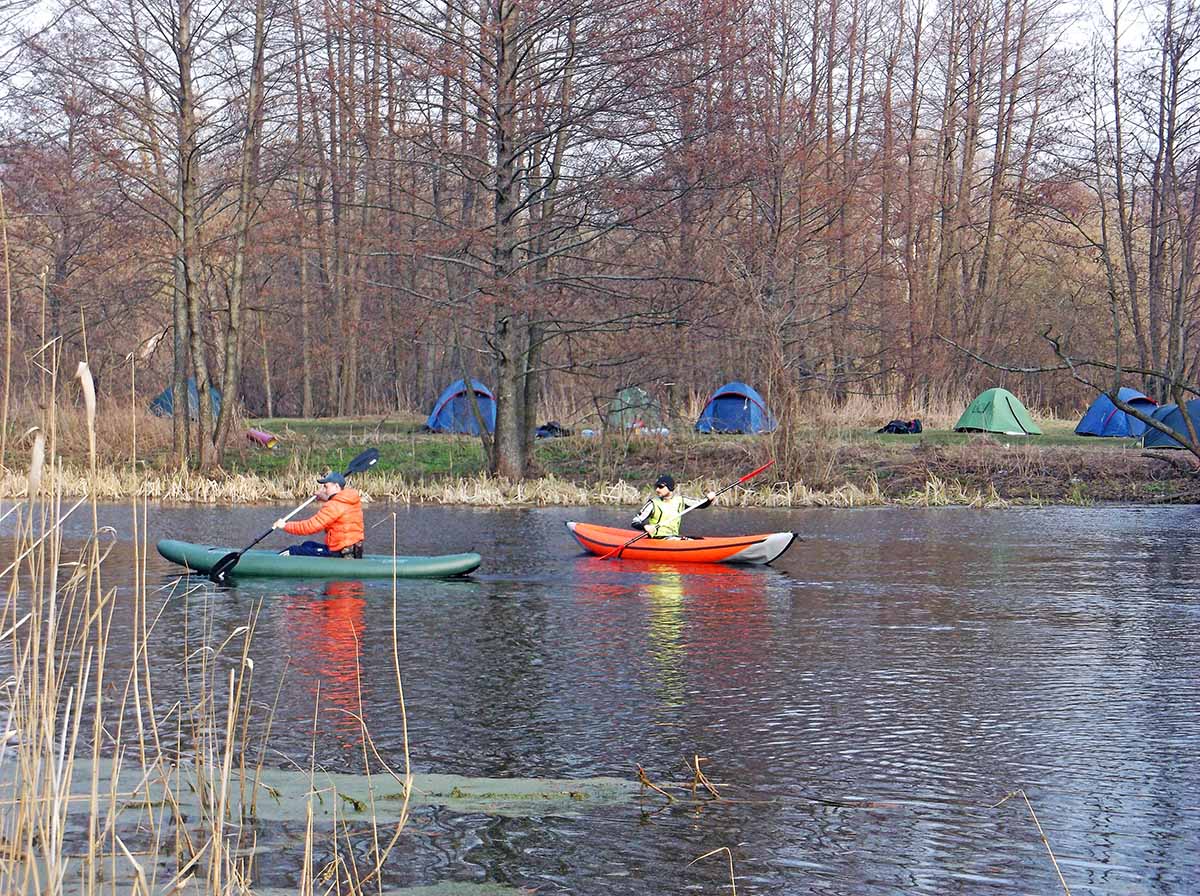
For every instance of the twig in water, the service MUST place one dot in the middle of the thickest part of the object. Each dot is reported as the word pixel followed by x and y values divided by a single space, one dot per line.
pixel 1041 833
pixel 702 779
pixel 645 782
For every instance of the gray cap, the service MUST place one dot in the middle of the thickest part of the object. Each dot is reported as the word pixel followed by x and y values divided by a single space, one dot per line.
pixel 333 477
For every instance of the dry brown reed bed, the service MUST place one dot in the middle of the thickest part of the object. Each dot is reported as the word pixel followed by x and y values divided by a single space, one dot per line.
pixel 486 491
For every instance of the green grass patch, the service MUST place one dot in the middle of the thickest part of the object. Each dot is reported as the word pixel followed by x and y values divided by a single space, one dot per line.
pixel 1056 435
pixel 404 449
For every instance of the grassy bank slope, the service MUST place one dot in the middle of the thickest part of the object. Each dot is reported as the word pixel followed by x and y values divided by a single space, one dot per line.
pixel 822 464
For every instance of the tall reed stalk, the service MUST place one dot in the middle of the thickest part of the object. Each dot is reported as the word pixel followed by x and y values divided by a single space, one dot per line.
pixel 103 788
pixel 7 334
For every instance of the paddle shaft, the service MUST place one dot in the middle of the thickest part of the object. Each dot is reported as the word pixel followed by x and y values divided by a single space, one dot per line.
pixel 641 535
pixel 272 529
pixel 363 461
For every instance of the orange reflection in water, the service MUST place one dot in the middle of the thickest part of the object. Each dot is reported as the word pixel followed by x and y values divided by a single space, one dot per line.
pixel 324 640
pixel 699 616
pixel 706 626
pixel 708 604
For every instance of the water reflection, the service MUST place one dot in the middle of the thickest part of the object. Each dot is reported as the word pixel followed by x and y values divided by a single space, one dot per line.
pixel 665 594
pixel 324 627
pixel 710 612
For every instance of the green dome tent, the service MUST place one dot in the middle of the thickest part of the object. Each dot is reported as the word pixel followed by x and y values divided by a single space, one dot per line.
pixel 997 410
pixel 633 408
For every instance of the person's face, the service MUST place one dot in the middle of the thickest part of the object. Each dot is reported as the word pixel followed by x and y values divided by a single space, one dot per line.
pixel 662 491
pixel 327 490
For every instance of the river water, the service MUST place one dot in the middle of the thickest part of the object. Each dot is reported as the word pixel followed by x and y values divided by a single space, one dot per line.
pixel 864 703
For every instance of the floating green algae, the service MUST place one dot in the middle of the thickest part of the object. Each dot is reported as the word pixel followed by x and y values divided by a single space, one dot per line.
pixel 285 795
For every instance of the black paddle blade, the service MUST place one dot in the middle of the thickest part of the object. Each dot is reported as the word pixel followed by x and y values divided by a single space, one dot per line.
pixel 364 461
pixel 222 567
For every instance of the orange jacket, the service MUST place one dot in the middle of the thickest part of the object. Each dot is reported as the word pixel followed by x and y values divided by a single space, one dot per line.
pixel 340 518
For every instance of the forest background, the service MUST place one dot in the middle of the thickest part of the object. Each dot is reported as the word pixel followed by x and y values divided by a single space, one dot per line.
pixel 336 207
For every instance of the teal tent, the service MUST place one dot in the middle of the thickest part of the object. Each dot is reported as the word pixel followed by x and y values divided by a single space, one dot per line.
pixel 997 410
pixel 633 408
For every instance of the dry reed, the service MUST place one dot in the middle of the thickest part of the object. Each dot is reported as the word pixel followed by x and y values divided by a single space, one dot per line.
pixel 1041 833
pixel 729 855
pixel 8 335
pixel 486 491
pixel 103 788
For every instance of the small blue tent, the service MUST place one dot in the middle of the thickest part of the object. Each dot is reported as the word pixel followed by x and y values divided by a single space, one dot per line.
pixel 1170 416
pixel 164 404
pixel 1103 418
pixel 735 407
pixel 452 411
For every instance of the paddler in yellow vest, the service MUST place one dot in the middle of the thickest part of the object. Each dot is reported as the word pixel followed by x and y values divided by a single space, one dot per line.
pixel 660 516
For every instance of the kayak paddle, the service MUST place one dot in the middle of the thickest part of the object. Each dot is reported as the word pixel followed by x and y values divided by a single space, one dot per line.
pixel 617 550
pixel 222 568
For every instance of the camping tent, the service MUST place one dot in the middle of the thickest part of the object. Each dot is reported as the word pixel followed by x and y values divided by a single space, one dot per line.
pixel 1170 416
pixel 164 403
pixel 735 407
pixel 997 410
pixel 452 411
pixel 633 408
pixel 1103 418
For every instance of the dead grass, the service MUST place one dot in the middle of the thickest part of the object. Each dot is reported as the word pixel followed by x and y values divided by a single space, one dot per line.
pixel 121 431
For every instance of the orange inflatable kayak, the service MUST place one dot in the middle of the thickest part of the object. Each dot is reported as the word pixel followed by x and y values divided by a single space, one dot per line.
pixel 602 540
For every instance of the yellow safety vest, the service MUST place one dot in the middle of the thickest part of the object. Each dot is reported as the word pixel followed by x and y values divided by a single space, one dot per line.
pixel 665 516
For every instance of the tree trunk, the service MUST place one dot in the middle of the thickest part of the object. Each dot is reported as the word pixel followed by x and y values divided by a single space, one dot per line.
pixel 181 355
pixel 189 205
pixel 247 196
pixel 511 335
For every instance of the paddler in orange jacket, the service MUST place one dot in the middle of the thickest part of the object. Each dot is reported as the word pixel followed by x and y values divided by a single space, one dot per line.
pixel 341 520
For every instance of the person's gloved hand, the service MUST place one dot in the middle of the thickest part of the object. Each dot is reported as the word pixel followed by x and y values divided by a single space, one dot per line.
pixel 279 523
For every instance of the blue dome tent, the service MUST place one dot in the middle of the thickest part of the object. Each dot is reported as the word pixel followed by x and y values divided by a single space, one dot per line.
pixel 1103 419
pixel 735 407
pixel 164 403
pixel 1170 416
pixel 452 411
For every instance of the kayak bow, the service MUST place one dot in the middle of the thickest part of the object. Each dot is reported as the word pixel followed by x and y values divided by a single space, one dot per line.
pixel 603 540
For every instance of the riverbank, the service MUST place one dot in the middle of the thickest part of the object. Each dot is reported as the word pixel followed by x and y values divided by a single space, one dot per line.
pixel 822 466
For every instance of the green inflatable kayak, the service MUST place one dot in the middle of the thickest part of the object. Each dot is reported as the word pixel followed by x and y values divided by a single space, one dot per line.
pixel 201 558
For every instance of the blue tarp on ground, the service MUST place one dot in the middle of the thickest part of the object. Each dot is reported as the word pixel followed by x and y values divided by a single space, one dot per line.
pixel 164 404
pixel 452 411
pixel 735 407
pixel 1103 419
pixel 1170 416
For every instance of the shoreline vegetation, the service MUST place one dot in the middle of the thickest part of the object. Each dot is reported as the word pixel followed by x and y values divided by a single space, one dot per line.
pixel 835 460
